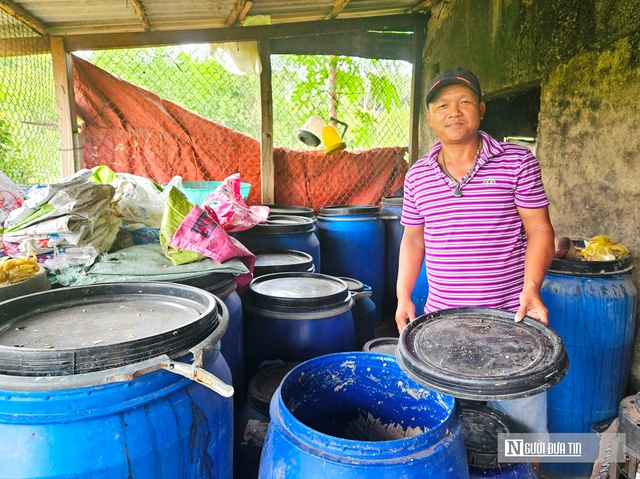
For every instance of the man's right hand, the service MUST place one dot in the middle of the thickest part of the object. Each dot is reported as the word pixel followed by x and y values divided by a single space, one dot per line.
pixel 405 313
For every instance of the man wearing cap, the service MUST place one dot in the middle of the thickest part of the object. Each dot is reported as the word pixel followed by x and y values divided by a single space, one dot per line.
pixel 475 210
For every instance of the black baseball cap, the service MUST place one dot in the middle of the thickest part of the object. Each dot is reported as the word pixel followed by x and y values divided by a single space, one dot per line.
pixel 453 76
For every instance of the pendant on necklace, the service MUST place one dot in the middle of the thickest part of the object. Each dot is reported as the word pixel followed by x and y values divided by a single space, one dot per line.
pixel 457 193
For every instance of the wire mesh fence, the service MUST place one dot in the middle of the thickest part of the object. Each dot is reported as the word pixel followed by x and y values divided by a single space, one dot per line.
pixel 29 135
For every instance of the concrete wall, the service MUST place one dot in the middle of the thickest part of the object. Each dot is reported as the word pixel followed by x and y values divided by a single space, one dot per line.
pixel 585 55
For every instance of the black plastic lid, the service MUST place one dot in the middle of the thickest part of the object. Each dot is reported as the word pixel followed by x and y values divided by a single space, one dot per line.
pixel 283 224
pixel 282 260
pixel 382 345
pixel 482 354
pixel 91 328
pixel 591 268
pixel 392 201
pixel 211 282
pixel 284 291
pixel 480 428
pixel 288 210
pixel 263 386
pixel 354 285
pixel 347 210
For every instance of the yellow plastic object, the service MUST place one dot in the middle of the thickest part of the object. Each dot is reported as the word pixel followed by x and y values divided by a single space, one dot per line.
pixel 15 270
pixel 601 248
pixel 332 141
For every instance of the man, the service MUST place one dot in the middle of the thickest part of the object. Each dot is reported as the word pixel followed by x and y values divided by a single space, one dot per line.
pixel 475 209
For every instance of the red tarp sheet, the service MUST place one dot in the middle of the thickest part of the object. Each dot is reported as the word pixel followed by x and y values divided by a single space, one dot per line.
pixel 135 131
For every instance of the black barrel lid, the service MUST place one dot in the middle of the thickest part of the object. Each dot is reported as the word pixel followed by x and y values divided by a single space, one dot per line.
pixel 347 210
pixel 392 201
pixel 354 285
pixel 482 354
pixel 281 260
pixel 283 224
pixel 286 291
pixel 382 345
pixel 480 428
pixel 263 386
pixel 591 268
pixel 91 328
pixel 287 210
pixel 212 282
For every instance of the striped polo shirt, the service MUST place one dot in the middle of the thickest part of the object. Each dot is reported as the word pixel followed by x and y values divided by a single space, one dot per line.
pixel 474 244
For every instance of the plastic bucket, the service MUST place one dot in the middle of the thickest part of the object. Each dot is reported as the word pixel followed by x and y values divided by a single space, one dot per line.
pixel 592 305
pixel 295 317
pixel 352 244
pixel 356 415
pixel 283 232
pixel 143 419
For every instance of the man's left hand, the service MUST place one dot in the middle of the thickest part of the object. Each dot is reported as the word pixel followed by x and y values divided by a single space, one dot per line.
pixel 531 304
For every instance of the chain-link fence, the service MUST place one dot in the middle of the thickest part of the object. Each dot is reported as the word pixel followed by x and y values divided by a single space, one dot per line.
pixel 29 135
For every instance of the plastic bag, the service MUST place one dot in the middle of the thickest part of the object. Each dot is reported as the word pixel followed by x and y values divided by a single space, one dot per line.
pixel 11 197
pixel 601 248
pixel 200 232
pixel 176 210
pixel 232 212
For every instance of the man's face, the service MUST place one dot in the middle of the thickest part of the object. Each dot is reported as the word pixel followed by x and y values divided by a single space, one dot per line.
pixel 454 114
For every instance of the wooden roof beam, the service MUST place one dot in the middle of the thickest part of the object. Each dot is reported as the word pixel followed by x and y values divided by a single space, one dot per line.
pixel 235 13
pixel 338 6
pixel 20 14
pixel 245 11
pixel 422 6
pixel 140 9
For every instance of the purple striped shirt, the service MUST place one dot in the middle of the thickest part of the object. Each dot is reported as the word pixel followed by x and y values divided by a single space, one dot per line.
pixel 475 244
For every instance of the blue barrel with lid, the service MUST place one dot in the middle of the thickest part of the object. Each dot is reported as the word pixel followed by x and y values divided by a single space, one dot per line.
pixel 291 210
pixel 295 317
pixel 363 311
pixel 98 381
pixel 283 232
pixel 282 261
pixel 391 212
pixel 592 305
pixel 252 421
pixel 356 415
pixel 480 429
pixel 352 244
pixel 382 346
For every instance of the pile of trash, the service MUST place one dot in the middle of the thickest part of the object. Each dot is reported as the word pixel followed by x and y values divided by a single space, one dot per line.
pixel 77 221
pixel 598 248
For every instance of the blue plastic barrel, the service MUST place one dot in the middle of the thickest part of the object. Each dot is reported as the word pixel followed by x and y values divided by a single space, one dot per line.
pixel 356 415
pixel 363 312
pixel 143 419
pixel 295 317
pixel 592 306
pixel 352 244
pixel 223 285
pixel 391 212
pixel 283 232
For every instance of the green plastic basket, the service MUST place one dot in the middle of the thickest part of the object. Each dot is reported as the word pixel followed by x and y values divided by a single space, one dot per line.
pixel 197 191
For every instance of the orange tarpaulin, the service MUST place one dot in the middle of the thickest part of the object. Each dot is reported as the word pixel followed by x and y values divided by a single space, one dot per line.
pixel 135 131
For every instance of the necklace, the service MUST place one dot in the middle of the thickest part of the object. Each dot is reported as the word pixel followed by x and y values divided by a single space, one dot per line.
pixel 458 192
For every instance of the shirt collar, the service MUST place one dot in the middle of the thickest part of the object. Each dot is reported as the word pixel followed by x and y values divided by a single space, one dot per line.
pixel 490 147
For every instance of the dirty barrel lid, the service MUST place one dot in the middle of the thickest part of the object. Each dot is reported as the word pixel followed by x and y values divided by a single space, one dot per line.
pixel 288 210
pixel 381 345
pixel 296 291
pixel 282 260
pixel 283 224
pixel 263 385
pixel 92 328
pixel 482 354
pixel 481 426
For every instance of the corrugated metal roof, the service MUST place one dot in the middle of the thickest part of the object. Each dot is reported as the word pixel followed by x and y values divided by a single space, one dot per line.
pixel 65 17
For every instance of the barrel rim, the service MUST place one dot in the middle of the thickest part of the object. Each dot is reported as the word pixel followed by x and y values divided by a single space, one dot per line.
pixel 272 227
pixel 384 341
pixel 305 266
pixel 292 210
pixel 337 449
pixel 348 210
pixel 83 360
pixel 562 266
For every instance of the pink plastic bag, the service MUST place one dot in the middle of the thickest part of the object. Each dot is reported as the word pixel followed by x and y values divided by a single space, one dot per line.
pixel 201 233
pixel 232 211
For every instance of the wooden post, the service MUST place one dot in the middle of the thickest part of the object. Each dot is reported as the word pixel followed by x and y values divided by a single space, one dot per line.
pixel 70 143
pixel 266 108
pixel 419 34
